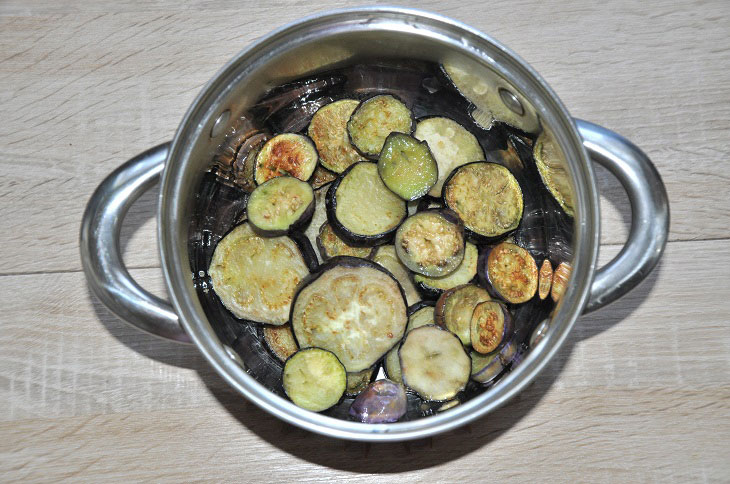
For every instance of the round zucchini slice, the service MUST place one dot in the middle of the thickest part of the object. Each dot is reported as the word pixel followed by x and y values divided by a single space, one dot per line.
pixel 328 130
pixel 545 279
pixel 358 381
pixel 431 242
pixel 264 296
pixel 489 323
pixel 451 144
pixel 286 154
pixel 463 274
pixel 487 197
pixel 511 272
pixel 385 256
pixel 352 307
pixel 433 363
pixel 279 205
pixel 455 307
pixel 280 341
pixel 314 379
pixel 361 209
pixel 330 245
pixel 554 171
pixel 374 119
pixel 407 166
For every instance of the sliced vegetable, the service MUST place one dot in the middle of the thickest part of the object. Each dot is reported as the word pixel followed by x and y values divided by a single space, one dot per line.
pixel 451 144
pixel 487 197
pixel 420 314
pixel 358 381
pixel 314 379
pixel 279 205
pixel 385 256
pixel 431 242
pixel 554 171
pixel 391 364
pixel 286 154
pixel 485 368
pixel 427 203
pixel 448 405
pixel 561 276
pixel 330 245
pixel 249 292
pixel 352 307
pixel 305 247
pixel 382 401
pixel 360 207
pixel 463 274
pixel 318 218
pixel 407 166
pixel 510 271
pixel 321 177
pixel 328 130
pixel 455 307
pixel 374 119
pixel 545 279
pixel 280 340
pixel 433 363
pixel 489 322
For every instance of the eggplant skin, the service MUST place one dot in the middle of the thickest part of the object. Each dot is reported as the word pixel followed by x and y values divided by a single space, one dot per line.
pixel 372 203
pixel 305 247
pixel 316 317
pixel 504 203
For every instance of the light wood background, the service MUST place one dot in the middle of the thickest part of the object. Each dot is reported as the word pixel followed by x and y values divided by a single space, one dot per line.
pixel 640 392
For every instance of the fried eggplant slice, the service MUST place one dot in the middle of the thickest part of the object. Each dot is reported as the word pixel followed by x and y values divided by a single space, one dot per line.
pixel 407 166
pixel 485 368
pixel 280 340
pixel 510 271
pixel 451 144
pixel 433 363
pixel 286 154
pixel 464 273
pixel 489 323
pixel 247 291
pixel 431 242
pixel 280 205
pixel 358 381
pixel 374 119
pixel 386 256
pixel 314 379
pixel 331 245
pixel 352 307
pixel 561 276
pixel 455 307
pixel 545 279
pixel 553 171
pixel 328 130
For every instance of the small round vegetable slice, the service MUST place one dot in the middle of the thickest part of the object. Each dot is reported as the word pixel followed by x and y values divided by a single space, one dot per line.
pixel 420 314
pixel 382 401
pixel 431 242
pixel 374 119
pixel 407 166
pixel 328 130
pixel 487 197
pixel 286 154
pixel 280 341
pixel 561 276
pixel 463 274
pixel 331 245
pixel 485 368
pixel 386 257
pixel 314 379
pixel 358 381
pixel 264 296
pixel 554 171
pixel 279 205
pixel 352 307
pixel 455 307
pixel 488 323
pixel 511 273
pixel 451 144
pixel 545 279
pixel 391 364
pixel 433 363
pixel 360 207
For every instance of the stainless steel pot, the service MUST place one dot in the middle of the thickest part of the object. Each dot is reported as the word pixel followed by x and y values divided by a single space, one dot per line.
pixel 312 45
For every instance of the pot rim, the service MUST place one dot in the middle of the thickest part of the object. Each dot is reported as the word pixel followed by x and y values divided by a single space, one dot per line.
pixel 176 267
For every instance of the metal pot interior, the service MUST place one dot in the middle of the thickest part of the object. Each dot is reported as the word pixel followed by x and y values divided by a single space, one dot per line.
pixel 278 84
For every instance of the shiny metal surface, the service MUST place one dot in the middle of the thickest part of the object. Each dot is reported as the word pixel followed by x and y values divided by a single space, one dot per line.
pixel 100 252
pixel 649 213
pixel 312 44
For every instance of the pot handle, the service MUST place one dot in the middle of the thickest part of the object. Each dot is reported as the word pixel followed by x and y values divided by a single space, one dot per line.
pixel 649 213
pixel 101 255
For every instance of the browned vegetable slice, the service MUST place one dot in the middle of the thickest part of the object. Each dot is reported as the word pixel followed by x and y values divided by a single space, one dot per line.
pixel 554 171
pixel 488 323
pixel 431 242
pixel 314 379
pixel 358 381
pixel 463 274
pixel 385 256
pixel 512 273
pixel 455 307
pixel 286 154
pixel 280 340
pixel 561 276
pixel 321 177
pixel 280 205
pixel 331 245
pixel 374 119
pixel 328 130
pixel 545 279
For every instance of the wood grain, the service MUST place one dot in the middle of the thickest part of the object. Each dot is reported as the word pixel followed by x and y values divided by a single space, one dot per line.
pixel 640 392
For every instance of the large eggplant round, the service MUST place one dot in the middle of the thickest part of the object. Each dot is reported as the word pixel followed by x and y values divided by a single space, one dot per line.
pixel 382 401
pixel 352 307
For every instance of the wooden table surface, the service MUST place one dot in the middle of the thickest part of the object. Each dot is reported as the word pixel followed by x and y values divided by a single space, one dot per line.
pixel 640 392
